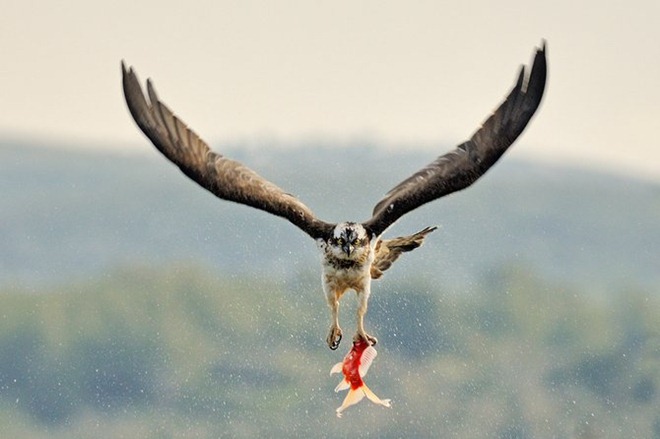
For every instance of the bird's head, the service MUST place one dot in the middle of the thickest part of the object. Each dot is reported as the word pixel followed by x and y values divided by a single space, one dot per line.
pixel 349 241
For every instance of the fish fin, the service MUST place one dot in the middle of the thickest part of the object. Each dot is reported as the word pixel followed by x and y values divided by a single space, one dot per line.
pixel 354 396
pixel 336 368
pixel 373 398
pixel 367 358
pixel 343 385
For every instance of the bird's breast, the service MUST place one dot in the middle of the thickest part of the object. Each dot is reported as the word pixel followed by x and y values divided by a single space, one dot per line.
pixel 342 274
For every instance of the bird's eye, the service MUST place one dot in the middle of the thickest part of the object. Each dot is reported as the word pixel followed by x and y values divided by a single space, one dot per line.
pixel 357 242
pixel 339 241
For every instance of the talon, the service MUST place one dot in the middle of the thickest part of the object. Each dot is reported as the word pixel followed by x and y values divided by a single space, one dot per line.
pixel 334 338
pixel 335 344
pixel 366 337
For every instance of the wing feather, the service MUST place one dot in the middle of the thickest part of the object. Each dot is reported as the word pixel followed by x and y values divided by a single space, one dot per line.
pixel 225 178
pixel 462 166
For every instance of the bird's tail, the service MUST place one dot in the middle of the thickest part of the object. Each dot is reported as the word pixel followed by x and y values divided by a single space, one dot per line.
pixel 389 250
pixel 408 243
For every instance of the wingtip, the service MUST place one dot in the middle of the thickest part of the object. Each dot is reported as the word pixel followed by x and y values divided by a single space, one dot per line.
pixel 539 66
pixel 542 52
pixel 128 71
pixel 151 91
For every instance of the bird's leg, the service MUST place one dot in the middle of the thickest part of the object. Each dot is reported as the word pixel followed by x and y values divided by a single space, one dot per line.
pixel 335 334
pixel 363 298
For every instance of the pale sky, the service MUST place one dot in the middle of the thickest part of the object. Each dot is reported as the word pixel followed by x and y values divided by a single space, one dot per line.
pixel 401 72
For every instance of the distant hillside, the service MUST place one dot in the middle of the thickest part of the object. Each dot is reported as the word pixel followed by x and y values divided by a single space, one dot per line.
pixel 180 352
pixel 70 214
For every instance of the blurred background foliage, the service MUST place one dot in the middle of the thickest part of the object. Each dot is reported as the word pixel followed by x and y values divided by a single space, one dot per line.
pixel 132 304
pixel 177 352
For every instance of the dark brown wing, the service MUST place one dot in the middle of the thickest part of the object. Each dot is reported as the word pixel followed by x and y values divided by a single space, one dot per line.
pixel 461 167
pixel 225 178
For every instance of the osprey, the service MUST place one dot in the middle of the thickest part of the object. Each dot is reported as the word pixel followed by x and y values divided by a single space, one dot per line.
pixel 352 253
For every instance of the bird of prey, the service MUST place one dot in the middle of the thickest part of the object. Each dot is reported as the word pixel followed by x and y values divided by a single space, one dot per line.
pixel 352 253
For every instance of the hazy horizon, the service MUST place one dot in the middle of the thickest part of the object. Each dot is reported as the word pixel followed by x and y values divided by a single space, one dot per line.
pixel 422 74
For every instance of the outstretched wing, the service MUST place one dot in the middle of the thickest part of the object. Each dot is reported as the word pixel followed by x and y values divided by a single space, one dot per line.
pixel 227 179
pixel 461 167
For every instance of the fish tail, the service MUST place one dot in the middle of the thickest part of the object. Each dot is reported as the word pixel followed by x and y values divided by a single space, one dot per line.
pixel 354 396
pixel 373 398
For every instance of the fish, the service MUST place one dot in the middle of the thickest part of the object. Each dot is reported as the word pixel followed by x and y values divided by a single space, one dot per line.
pixel 354 367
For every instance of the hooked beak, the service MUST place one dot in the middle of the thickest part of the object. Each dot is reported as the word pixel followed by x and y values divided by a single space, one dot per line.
pixel 348 249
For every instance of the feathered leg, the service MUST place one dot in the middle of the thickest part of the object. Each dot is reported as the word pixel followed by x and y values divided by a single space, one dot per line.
pixel 363 300
pixel 335 334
